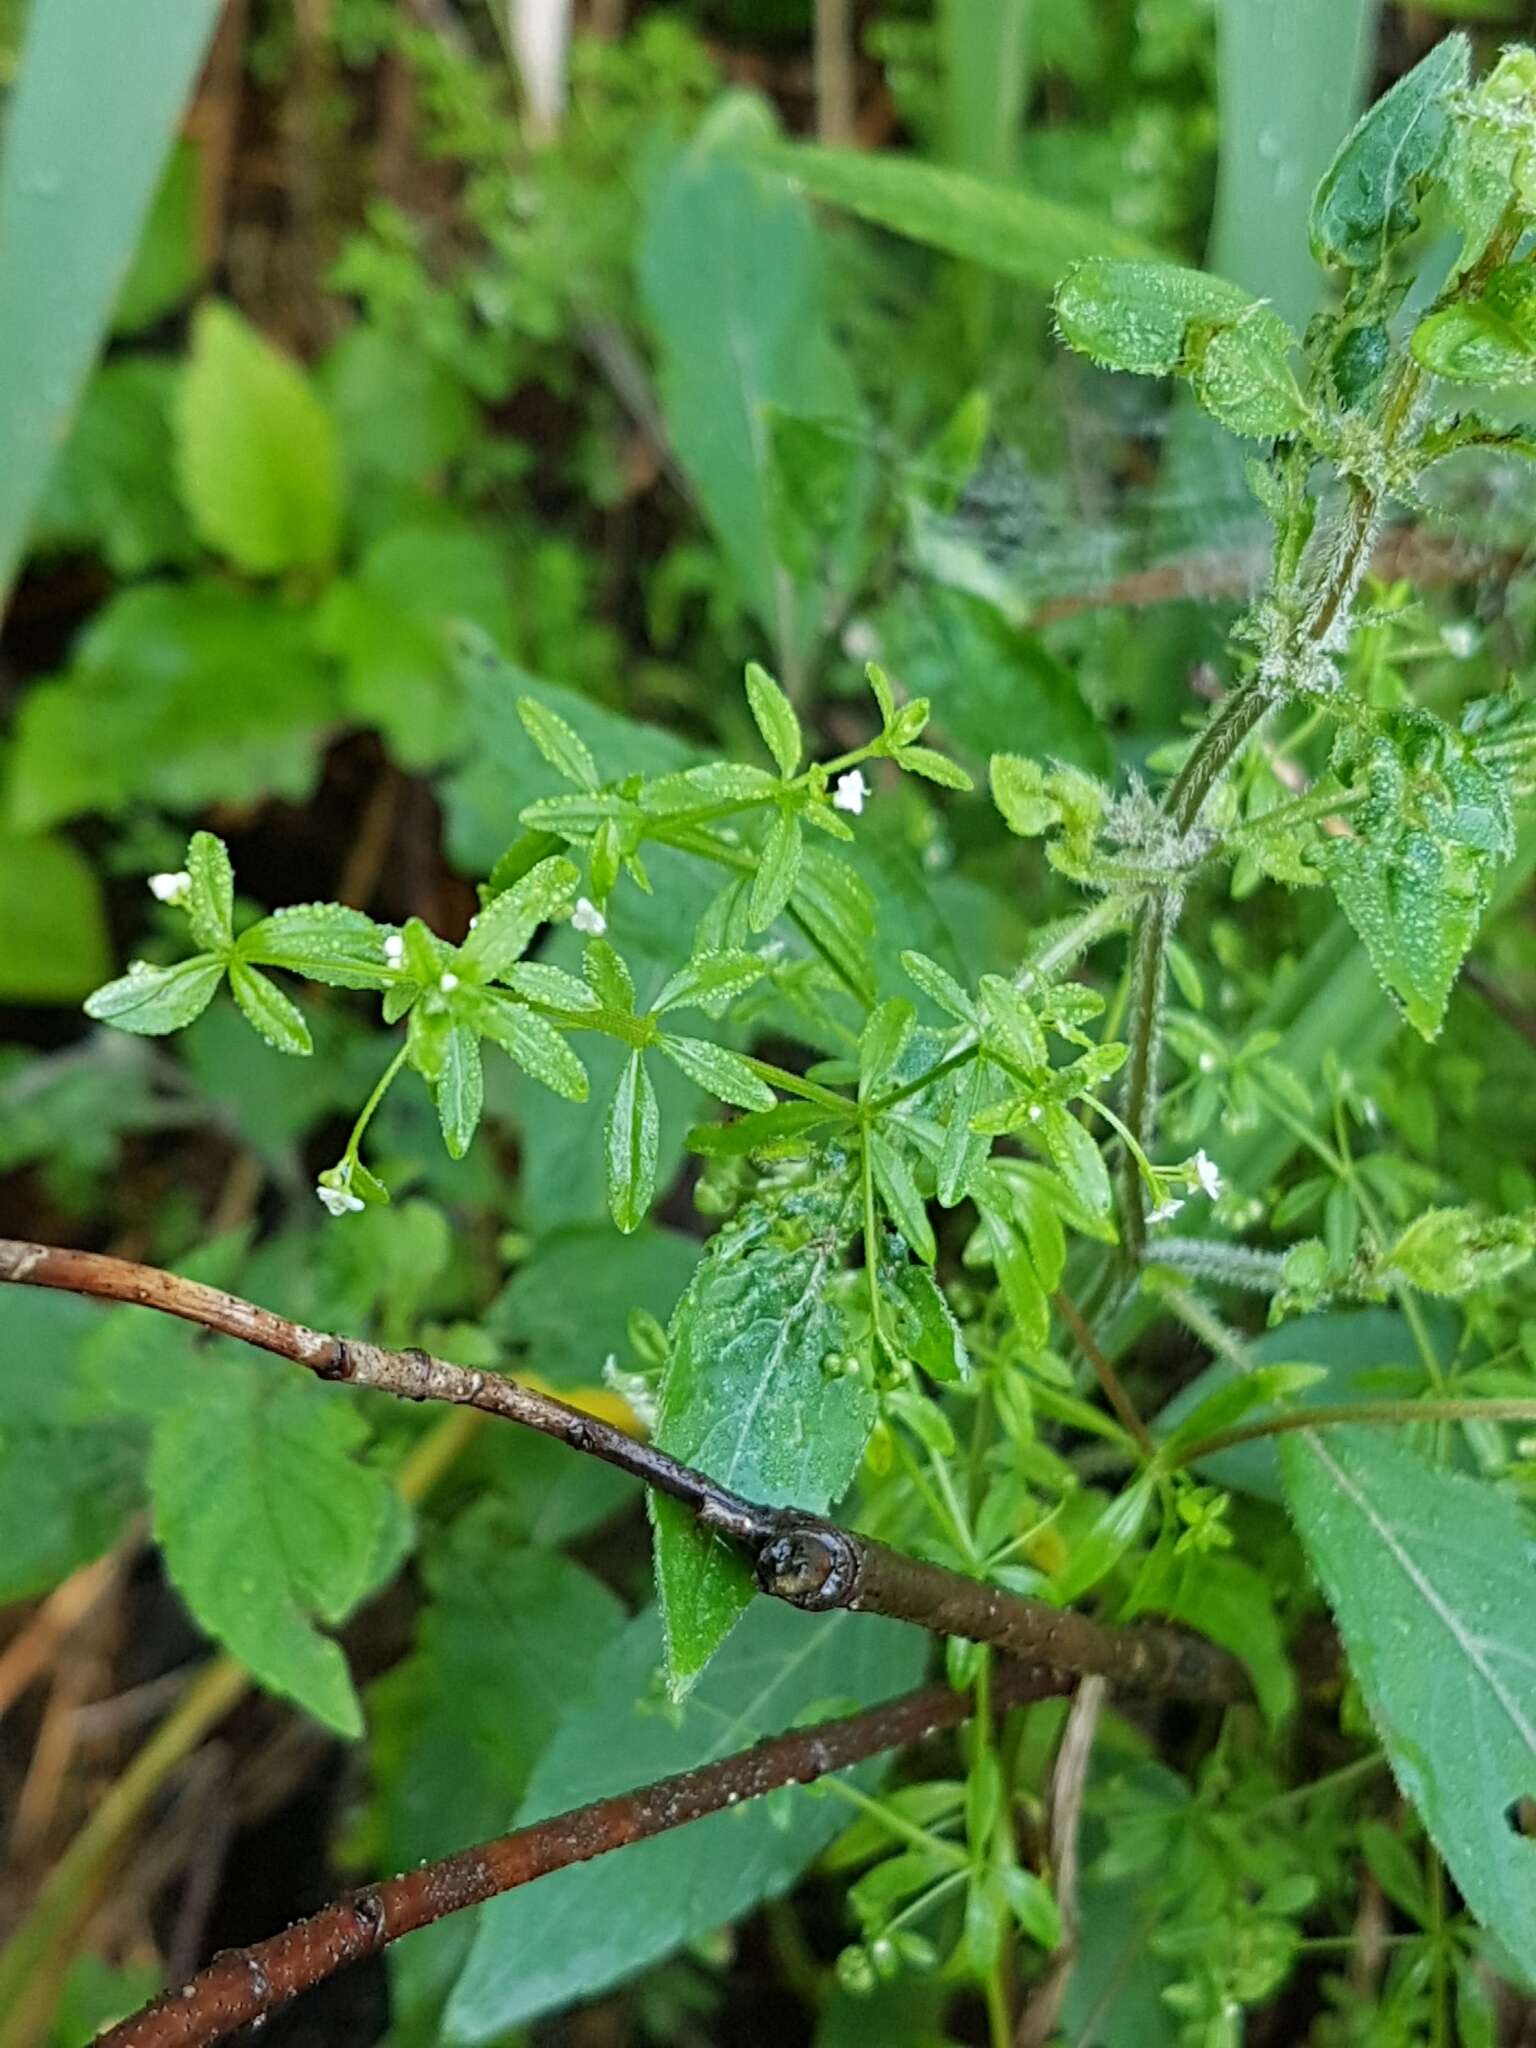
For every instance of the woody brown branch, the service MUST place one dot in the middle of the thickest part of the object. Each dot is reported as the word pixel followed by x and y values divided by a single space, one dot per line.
pixel 247 1984
pixel 805 1560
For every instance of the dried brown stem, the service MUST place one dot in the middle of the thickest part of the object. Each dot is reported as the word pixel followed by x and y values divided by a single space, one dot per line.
pixel 802 1559
pixel 247 1984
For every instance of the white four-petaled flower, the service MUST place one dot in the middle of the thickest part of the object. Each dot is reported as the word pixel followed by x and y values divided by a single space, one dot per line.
pixel 586 917
pixel 339 1201
pixel 1207 1173
pixel 850 792
pixel 1165 1211
pixel 171 888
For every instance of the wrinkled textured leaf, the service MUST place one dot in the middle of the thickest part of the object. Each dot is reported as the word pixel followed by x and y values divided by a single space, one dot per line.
pixel 1367 199
pixel 1414 874
pixel 1430 1579
pixel 575 1933
pixel 269 1524
pixel 1134 316
pixel 748 1399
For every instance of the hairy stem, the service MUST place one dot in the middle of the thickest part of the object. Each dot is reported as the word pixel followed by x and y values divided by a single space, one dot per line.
pixel 243 1985
pixel 802 1559
pixel 1332 1414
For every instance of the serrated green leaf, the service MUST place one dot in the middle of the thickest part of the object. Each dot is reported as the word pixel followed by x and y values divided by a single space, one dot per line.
pixel 501 931
pixel 324 942
pixel 778 870
pixel 934 767
pixel 269 1524
pixel 256 450
pixel 562 747
pixel 1413 874
pixel 533 1042
pixel 898 1190
pixel 775 719
pixel 1368 197
pixel 211 901
pixel 154 1000
pixel 279 1021
pixel 748 1398
pixel 719 1070
pixel 631 1144
pixel 459 1089
pixel 1451 1251
pixel 1428 1575
pixel 1241 375
pixel 710 979
pixel 1134 316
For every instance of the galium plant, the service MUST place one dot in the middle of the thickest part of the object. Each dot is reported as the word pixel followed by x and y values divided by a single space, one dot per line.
pixel 937 1198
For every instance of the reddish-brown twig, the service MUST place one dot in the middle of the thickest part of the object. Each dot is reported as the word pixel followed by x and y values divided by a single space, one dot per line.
pixel 247 1984
pixel 802 1559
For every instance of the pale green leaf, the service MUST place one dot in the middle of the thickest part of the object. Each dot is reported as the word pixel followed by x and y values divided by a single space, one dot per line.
pixel 710 980
pixel 325 942
pixel 893 1177
pixel 563 748
pixel 503 928
pixel 154 1000
pixel 775 718
pixel 53 926
pixel 1135 316
pixel 458 1089
pixel 533 1042
pixel 1429 1577
pixel 723 1073
pixel 1451 1251
pixel 256 453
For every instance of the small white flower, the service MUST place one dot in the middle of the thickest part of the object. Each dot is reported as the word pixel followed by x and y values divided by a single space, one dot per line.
pixel 1165 1211
pixel 1035 1112
pixel 850 792
pixel 169 888
pixel 1460 638
pixel 447 981
pixel 394 950
pixel 1206 1063
pixel 339 1201
pixel 586 917
pixel 1207 1173
pixel 860 640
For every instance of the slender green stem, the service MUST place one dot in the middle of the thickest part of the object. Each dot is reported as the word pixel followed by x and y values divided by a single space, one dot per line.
pixel 801 1085
pixel 381 1088
pixel 1305 810
pixel 898 1825
pixel 1333 1414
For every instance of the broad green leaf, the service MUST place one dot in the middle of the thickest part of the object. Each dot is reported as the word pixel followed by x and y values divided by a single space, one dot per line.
pixel 1000 227
pixel 1368 197
pixel 718 1070
pixel 1241 374
pixel 53 926
pixel 69 1475
pixel 1451 1251
pixel 280 1021
pixel 1414 872
pixel 1135 316
pixel 393 624
pixel 731 283
pixel 775 718
pixel 505 1651
pixel 211 899
pixel 401 414
pixel 749 1399
pixel 533 1042
pixel 180 695
pixel 458 1089
pixel 579 1931
pixel 1429 1578
pixel 113 489
pixel 898 1190
pixel 632 1140
pixel 568 1308
pixel 1487 340
pixel 269 1524
pixel 710 981
pixel 119 78
pixel 565 750
pixel 503 928
pixel 257 453
pixel 168 260
pixel 155 1000
pixel 778 870
pixel 324 942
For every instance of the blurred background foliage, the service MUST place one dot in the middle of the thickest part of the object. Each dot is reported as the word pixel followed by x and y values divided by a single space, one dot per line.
pixel 430 384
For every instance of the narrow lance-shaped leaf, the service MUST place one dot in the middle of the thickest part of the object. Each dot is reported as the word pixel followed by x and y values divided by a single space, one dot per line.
pixel 709 980
pixel 503 928
pixel 211 899
pixel 775 717
pixel 717 1069
pixel 533 1042
pixel 777 872
pixel 279 1021
pixel 633 1140
pixel 562 747
pixel 459 1089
